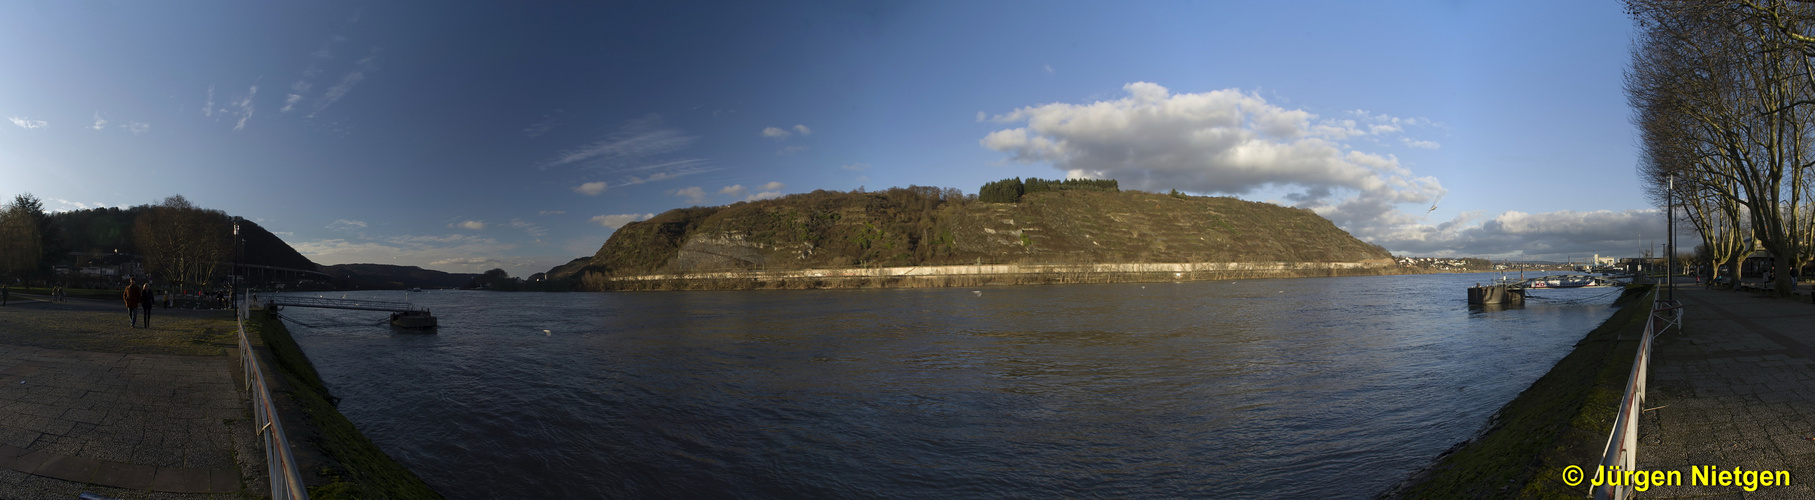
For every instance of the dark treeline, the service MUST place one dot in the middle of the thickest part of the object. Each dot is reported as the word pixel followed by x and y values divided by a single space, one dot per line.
pixel 173 241
pixel 1011 190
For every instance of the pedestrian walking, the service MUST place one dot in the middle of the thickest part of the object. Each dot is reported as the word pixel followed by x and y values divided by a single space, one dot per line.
pixel 133 296
pixel 5 293
pixel 146 298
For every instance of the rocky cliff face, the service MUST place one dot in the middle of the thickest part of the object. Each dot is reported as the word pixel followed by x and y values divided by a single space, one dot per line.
pixel 919 226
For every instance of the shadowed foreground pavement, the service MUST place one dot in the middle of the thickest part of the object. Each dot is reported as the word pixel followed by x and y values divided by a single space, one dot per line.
pixel 88 404
pixel 1735 388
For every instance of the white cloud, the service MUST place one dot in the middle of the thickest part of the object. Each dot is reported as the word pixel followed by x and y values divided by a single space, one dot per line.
pixel 590 188
pixel 803 130
pixel 855 167
pixel 244 108
pixel 769 190
pixel 290 102
pixel 100 123
pixel 529 228
pixel 471 262
pixel 775 133
pixel 347 82
pixel 692 194
pixel 633 143
pixel 454 252
pixel 790 150
pixel 1049 69
pixel 551 212
pixel 542 127
pixel 471 224
pixel 1225 141
pixel 29 124
pixel 1234 142
pixel 208 106
pixel 137 128
pixel 1420 144
pixel 673 170
pixel 344 224
pixel 619 220
pixel 1540 236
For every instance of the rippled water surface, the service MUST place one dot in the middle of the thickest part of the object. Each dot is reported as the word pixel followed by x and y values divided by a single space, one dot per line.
pixel 1263 388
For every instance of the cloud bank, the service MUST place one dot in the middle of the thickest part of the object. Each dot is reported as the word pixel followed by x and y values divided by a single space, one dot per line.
pixel 1234 142
pixel 619 220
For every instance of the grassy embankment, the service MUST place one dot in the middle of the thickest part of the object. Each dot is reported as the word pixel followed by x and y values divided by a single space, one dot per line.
pixel 359 469
pixel 1561 420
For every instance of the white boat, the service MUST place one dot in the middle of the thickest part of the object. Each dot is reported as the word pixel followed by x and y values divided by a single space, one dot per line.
pixel 1562 282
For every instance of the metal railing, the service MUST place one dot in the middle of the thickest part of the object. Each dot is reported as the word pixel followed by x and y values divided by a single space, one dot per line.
pixel 1621 453
pixel 286 481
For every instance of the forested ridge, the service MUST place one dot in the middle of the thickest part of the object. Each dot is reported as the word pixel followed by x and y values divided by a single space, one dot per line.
pixel 1056 222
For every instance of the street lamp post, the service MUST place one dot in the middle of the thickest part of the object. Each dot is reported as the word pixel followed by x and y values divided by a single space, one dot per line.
pixel 233 277
pixel 1670 240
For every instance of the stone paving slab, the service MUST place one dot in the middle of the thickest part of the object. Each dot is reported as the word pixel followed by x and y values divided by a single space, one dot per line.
pixel 1735 387
pixel 118 424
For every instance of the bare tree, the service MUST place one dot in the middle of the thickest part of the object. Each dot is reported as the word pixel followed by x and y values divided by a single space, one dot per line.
pixel 183 243
pixel 1721 92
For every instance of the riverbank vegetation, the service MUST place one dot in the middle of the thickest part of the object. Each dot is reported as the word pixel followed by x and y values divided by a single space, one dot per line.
pixel 352 466
pixel 1562 419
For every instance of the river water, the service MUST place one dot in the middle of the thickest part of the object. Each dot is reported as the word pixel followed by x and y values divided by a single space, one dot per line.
pixel 1260 388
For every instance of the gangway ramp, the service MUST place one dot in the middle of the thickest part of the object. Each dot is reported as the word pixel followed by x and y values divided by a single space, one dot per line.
pixel 326 303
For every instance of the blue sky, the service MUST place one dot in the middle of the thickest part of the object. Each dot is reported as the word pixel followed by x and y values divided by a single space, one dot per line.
pixel 472 136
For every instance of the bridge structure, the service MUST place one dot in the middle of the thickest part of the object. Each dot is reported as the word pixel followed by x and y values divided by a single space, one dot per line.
pixel 357 305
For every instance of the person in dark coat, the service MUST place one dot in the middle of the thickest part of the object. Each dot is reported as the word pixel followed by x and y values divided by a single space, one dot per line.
pixel 146 297
pixel 133 295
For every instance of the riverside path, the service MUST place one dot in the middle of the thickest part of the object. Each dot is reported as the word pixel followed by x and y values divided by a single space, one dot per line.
pixel 1734 388
pixel 91 405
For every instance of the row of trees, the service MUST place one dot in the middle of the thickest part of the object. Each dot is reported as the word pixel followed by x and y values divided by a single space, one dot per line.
pixel 175 240
pixel 1723 94
pixel 1011 190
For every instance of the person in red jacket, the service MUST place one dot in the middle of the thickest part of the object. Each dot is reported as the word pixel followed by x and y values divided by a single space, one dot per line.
pixel 133 295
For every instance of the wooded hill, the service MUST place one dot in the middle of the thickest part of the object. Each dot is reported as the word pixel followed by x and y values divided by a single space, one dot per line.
pixel 95 232
pixel 1089 223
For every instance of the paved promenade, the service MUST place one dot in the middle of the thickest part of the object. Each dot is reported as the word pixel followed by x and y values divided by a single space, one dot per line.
pixel 88 404
pixel 1735 388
